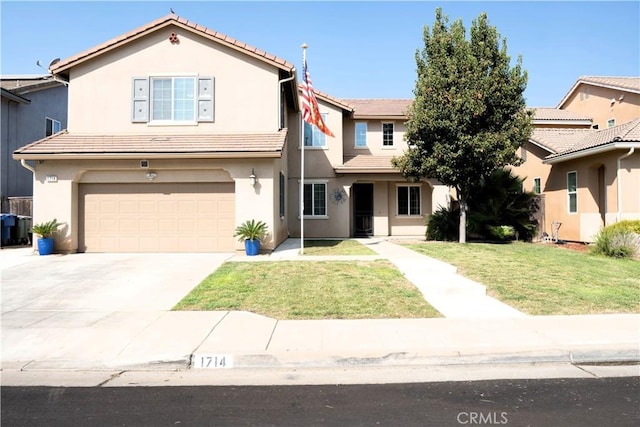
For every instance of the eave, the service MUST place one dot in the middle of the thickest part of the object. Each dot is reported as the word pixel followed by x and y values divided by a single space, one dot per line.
pixel 147 155
pixel 590 152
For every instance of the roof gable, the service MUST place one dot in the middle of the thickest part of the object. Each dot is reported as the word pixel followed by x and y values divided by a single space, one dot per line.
pixel 626 84
pixel 171 19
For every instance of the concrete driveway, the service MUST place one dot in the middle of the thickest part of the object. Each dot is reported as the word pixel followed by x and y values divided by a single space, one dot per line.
pixel 102 282
pixel 67 306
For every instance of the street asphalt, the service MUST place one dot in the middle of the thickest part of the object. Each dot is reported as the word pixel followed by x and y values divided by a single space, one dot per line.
pixel 102 316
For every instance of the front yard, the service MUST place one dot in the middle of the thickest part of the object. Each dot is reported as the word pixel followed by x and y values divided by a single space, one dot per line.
pixel 310 290
pixel 545 279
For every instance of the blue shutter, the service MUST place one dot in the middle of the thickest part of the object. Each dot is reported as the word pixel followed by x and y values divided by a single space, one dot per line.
pixel 205 99
pixel 140 100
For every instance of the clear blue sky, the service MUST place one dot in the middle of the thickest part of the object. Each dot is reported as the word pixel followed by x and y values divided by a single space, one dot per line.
pixel 356 49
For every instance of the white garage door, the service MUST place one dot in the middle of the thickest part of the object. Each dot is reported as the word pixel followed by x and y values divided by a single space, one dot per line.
pixel 156 217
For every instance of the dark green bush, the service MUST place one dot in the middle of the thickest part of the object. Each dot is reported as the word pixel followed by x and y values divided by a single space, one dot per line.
pixel 444 224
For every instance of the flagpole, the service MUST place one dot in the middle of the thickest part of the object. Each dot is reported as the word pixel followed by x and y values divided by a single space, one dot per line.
pixel 302 143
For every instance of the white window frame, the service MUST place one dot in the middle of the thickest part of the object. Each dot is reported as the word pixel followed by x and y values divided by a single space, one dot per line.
pixel 539 185
pixel 393 131
pixel 611 122
pixel 571 193
pixel 355 135
pixel 408 214
pixel 54 122
pixel 314 182
pixel 315 132
pixel 172 121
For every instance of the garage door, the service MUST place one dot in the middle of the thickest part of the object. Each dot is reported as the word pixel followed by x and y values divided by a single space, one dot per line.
pixel 156 217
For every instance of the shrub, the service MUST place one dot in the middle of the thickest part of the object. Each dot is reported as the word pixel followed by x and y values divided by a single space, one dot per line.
pixel 618 240
pixel 502 232
pixel 626 225
pixel 444 224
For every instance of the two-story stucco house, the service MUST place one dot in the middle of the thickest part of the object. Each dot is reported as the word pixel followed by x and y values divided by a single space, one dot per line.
pixel 177 134
pixel 33 107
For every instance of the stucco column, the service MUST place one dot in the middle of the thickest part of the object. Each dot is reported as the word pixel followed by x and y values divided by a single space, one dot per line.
pixel 381 208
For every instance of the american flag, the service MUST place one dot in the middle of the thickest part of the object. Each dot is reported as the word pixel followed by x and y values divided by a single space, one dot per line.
pixel 310 110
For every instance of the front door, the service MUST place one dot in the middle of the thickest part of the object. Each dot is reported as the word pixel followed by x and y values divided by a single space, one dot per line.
pixel 363 209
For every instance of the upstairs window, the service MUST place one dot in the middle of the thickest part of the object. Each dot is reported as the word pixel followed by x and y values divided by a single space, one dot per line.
pixel 387 134
pixel 167 100
pixel 51 127
pixel 611 123
pixel 313 137
pixel 173 99
pixel 361 135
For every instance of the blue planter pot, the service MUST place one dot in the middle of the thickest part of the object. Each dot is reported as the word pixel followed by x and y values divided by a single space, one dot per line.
pixel 252 247
pixel 45 246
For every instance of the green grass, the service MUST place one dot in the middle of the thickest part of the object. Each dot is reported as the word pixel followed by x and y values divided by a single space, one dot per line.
pixel 310 290
pixel 545 279
pixel 335 247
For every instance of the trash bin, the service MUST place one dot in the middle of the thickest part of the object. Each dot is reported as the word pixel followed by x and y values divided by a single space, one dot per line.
pixel 8 222
pixel 22 230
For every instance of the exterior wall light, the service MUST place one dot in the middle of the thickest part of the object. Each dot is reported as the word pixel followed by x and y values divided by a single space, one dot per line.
pixel 151 176
pixel 252 178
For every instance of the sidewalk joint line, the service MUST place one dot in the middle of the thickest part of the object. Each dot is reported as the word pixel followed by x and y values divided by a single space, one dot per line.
pixel 112 377
pixel 207 336
pixel 273 331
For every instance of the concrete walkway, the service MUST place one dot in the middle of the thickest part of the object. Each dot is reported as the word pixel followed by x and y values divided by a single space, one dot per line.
pixel 453 295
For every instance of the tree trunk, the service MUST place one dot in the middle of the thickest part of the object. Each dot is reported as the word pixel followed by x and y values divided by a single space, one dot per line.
pixel 463 218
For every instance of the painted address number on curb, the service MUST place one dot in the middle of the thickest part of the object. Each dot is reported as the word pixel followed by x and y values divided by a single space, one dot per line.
pixel 212 361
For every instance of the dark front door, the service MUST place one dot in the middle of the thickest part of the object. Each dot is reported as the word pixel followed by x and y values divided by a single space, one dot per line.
pixel 363 209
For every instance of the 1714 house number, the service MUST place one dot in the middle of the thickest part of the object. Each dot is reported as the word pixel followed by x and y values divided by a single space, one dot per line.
pixel 213 361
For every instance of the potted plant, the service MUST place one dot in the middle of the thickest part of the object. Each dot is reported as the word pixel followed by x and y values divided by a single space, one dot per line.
pixel 251 232
pixel 45 231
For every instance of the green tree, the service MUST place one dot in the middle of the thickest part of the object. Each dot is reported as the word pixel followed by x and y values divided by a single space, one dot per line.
pixel 468 117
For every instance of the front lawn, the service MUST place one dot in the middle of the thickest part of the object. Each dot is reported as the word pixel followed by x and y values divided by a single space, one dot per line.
pixel 335 247
pixel 545 279
pixel 310 290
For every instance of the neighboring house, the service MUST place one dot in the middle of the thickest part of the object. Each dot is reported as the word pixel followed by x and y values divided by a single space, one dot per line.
pixel 33 107
pixel 589 173
pixel 594 178
pixel 610 101
pixel 170 123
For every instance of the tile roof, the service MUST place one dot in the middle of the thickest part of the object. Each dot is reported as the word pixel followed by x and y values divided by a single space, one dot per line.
pixel 556 114
pixel 24 84
pixel 328 98
pixel 64 144
pixel 366 163
pixel 379 107
pixel 563 142
pixel 558 140
pixel 165 21
pixel 629 84
pixel 627 132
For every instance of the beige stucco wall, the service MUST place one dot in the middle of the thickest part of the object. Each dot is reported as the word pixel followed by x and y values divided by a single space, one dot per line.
pixel 595 101
pixel 584 224
pixel 374 138
pixel 533 167
pixel 245 97
pixel 60 199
